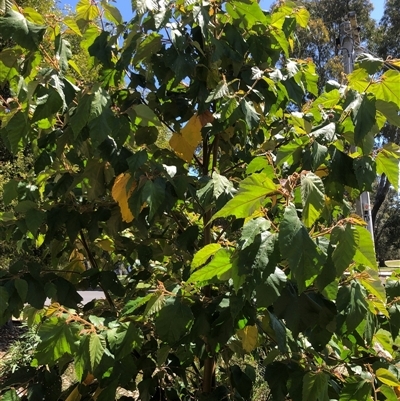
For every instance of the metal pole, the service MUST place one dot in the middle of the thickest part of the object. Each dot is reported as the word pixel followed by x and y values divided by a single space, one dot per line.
pixel 350 43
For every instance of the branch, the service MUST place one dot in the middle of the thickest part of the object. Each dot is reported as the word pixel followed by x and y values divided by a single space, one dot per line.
pixel 95 265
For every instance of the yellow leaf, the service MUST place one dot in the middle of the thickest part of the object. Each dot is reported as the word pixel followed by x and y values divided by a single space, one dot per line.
pixel 107 244
pixel 186 141
pixel 394 61
pixel 121 194
pixel 53 308
pixel 76 255
pixel 249 337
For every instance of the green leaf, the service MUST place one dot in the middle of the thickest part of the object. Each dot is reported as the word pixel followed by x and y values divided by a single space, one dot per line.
pixel 96 350
pixel 86 10
pixel 276 330
pixel 252 192
pixel 173 322
pixel 390 110
pixel 227 108
pixel 94 172
pixel 315 386
pixel 356 389
pixel 365 253
pixel 313 198
pixel 71 23
pixel 153 193
pixel 325 134
pixel 146 115
pixel 327 100
pixel 24 206
pixel 149 45
pixel 221 90
pixel 304 257
pixel 291 152
pixel 247 12
pixel 365 170
pixel 369 63
pixel 22 288
pixel 15 131
pixel 302 16
pixel 57 339
pixel 371 281
pixel 25 33
pixel 3 301
pixel 34 219
pixel 268 293
pixel 9 64
pixel 10 395
pixel 221 185
pixel 364 119
pixel 388 392
pixel 10 192
pixel 251 116
pixel 261 254
pixel 204 254
pixel 387 87
pixel 220 264
pixel 387 377
pixel 359 80
pixel 251 229
pixel 346 247
pixel 351 302
pixel 63 53
pixel 387 162
pixel 112 13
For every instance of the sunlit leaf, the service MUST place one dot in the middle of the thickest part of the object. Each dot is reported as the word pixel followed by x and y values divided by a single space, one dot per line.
pixel 387 161
pixel 186 141
pixel 252 192
pixel 220 264
pixel 121 192
pixel 204 254
pixel 387 377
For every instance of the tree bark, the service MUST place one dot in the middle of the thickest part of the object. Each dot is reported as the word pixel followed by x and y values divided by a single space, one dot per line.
pixel 381 193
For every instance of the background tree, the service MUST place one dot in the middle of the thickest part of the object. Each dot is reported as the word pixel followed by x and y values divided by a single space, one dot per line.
pixel 239 235
pixel 385 45
pixel 318 39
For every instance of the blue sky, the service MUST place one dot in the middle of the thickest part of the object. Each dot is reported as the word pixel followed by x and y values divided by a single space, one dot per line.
pixel 126 9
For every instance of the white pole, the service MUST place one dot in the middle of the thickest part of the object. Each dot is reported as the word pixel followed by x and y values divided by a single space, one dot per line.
pixel 350 42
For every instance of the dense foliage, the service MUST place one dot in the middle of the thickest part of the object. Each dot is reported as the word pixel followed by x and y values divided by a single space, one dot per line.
pixel 239 235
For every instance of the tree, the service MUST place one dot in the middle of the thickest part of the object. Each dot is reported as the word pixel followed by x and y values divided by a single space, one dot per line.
pixel 387 43
pixel 318 39
pixel 240 236
pixel 386 47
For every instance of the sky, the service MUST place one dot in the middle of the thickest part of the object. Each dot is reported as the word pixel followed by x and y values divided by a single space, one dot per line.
pixel 126 9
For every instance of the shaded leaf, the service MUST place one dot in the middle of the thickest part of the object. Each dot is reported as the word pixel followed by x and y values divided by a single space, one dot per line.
pixel 304 258
pixel 315 386
pixel 173 322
